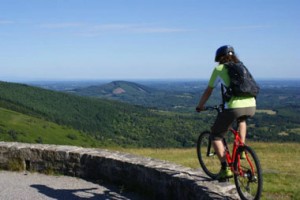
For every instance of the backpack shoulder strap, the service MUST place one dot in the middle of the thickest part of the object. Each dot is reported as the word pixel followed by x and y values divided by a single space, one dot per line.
pixel 223 93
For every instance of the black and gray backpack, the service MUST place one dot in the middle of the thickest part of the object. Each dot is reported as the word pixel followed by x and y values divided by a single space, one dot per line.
pixel 242 84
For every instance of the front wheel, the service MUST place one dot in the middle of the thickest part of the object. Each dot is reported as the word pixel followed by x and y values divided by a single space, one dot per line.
pixel 206 155
pixel 248 174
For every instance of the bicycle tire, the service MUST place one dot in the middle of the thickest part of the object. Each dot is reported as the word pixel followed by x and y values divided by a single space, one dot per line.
pixel 248 181
pixel 208 160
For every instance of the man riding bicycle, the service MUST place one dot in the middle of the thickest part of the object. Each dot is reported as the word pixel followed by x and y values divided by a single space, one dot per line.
pixel 236 108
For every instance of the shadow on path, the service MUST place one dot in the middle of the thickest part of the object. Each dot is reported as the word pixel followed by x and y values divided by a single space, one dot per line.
pixel 73 194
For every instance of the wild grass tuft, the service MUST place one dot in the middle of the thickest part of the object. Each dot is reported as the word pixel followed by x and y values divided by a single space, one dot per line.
pixel 15 164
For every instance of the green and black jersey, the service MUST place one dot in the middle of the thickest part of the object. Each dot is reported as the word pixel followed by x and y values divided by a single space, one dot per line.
pixel 220 75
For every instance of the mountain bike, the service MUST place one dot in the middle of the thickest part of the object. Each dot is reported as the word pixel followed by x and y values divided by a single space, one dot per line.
pixel 247 170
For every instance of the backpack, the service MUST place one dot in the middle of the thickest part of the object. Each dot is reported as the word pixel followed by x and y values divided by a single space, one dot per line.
pixel 242 84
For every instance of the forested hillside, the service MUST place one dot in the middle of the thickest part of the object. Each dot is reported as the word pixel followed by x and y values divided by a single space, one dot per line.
pixel 16 126
pixel 110 122
pixel 116 123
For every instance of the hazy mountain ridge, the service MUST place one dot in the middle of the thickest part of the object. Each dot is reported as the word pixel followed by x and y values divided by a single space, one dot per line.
pixel 140 94
pixel 114 88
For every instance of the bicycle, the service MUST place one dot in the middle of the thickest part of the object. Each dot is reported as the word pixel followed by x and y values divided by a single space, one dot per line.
pixel 247 171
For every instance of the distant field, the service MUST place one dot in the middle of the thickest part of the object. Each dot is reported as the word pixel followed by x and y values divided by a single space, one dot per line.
pixel 269 112
pixel 280 163
pixel 296 130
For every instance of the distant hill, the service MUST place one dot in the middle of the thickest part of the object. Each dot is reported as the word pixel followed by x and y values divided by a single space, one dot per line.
pixel 125 91
pixel 138 94
pixel 115 88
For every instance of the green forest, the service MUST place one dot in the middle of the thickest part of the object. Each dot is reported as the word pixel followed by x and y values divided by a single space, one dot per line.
pixel 158 118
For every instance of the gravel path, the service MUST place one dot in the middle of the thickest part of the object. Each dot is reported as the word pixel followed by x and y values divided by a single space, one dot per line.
pixel 28 186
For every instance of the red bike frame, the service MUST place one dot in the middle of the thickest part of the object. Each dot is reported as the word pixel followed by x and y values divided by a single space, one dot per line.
pixel 231 159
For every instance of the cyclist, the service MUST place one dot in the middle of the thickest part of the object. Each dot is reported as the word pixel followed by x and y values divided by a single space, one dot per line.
pixel 237 108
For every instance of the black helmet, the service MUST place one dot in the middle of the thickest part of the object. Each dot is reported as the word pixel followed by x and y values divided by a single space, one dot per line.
pixel 223 51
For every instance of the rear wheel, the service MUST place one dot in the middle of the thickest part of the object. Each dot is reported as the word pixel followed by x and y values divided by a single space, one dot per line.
pixel 206 155
pixel 248 174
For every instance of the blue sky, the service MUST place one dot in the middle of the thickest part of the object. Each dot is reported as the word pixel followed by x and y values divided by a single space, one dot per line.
pixel 145 39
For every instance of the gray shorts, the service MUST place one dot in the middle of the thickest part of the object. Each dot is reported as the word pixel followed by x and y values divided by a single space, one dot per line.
pixel 225 119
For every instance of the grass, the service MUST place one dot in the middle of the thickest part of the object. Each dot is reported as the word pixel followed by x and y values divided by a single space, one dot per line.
pixel 280 163
pixel 15 165
pixel 15 126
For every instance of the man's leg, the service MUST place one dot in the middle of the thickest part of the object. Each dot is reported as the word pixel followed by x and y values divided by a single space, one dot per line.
pixel 243 130
pixel 225 171
pixel 219 149
pixel 219 129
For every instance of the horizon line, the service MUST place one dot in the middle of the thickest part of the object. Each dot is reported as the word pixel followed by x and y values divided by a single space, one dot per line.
pixel 26 80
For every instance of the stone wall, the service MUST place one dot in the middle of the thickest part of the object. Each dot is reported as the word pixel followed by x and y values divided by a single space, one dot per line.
pixel 158 179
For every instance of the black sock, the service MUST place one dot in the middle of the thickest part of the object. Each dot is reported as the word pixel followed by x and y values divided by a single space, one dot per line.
pixel 224 165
